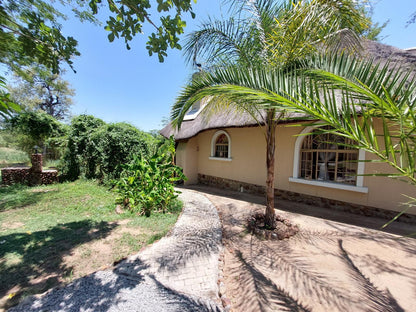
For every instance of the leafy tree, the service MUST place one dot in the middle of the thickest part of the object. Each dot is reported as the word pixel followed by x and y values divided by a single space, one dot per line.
pixel 37 88
pixel 128 17
pixel 242 53
pixel 30 31
pixel 112 145
pixel 38 129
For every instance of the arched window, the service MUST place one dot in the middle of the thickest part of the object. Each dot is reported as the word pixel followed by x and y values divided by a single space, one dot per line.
pixel 221 146
pixel 328 157
pixel 322 157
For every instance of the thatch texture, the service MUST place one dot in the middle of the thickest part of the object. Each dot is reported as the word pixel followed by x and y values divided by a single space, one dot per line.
pixel 382 53
pixel 190 128
pixel 379 52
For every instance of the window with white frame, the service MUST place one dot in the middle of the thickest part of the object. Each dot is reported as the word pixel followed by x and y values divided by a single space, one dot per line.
pixel 221 146
pixel 326 159
pixel 325 156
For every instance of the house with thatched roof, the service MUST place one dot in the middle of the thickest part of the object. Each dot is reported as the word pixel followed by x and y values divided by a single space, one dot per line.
pixel 228 150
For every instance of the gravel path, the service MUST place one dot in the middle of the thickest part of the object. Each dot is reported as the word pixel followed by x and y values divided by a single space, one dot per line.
pixel 178 273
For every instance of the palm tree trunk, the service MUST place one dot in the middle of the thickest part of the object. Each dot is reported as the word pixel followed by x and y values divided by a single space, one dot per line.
pixel 269 218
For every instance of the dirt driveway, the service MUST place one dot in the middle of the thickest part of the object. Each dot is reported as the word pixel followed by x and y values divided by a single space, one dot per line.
pixel 328 266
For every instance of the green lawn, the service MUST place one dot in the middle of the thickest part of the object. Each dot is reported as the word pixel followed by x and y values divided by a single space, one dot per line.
pixel 10 156
pixel 52 234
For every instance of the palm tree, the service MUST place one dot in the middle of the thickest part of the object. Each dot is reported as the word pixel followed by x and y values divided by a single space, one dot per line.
pixel 242 53
pixel 353 96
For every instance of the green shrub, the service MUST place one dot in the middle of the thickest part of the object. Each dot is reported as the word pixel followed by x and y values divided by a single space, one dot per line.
pixel 96 149
pixel 148 184
pixel 80 131
pixel 112 145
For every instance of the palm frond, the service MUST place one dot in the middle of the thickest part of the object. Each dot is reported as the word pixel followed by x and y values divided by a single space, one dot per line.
pixel 224 40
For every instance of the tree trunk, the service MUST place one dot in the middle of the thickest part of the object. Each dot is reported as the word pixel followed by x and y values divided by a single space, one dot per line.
pixel 270 219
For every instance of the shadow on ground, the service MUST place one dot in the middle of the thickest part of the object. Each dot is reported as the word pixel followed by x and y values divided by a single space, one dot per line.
pixel 327 266
pixel 118 290
pixel 398 228
pixel 33 262
pixel 185 248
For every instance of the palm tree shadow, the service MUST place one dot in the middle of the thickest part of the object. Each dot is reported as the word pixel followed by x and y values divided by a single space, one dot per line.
pixel 266 291
pixel 188 242
pixel 298 271
pixel 184 248
pixel 377 300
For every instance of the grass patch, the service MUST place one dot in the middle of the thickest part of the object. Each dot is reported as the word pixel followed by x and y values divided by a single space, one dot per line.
pixel 51 234
pixel 10 156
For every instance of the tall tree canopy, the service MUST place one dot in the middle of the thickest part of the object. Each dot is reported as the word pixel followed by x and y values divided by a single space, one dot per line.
pixel 36 88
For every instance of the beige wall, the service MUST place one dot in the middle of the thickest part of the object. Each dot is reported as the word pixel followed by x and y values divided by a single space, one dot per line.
pixel 186 157
pixel 248 153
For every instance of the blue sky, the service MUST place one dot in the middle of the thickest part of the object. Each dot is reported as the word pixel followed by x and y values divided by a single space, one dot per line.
pixel 116 85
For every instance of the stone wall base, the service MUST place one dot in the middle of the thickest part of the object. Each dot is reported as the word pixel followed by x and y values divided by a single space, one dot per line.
pixel 303 198
pixel 25 175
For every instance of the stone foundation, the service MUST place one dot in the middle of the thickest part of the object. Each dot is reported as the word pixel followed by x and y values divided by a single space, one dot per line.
pixel 24 175
pixel 13 175
pixel 29 175
pixel 303 198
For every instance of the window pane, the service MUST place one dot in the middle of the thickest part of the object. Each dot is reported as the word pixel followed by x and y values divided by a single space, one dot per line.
pixel 324 157
pixel 221 150
pixel 221 146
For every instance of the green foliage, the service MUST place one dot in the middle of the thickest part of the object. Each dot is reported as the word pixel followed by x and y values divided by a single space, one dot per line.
pixel 372 95
pixel 7 139
pixel 38 129
pixel 30 33
pixel 74 157
pixel 148 183
pixel 96 149
pixel 112 145
pixel 11 156
pixel 128 17
pixel 7 106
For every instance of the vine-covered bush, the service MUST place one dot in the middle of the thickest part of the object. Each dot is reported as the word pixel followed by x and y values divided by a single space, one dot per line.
pixel 112 145
pixel 147 184
pixel 97 150
pixel 74 159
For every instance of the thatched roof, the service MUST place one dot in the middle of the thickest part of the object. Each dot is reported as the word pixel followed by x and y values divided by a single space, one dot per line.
pixel 190 128
pixel 381 53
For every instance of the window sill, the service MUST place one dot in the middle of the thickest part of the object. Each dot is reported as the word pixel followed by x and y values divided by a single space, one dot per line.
pixel 220 158
pixel 345 187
